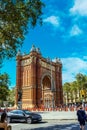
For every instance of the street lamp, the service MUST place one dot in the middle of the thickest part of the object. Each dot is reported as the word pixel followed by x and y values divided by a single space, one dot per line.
pixel 82 92
pixel 53 100
pixel 65 98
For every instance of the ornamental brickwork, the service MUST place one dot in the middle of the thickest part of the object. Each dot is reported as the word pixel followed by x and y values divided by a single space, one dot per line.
pixel 38 80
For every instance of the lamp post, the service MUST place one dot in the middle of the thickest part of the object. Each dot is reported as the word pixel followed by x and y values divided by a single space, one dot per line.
pixel 53 100
pixel 82 92
pixel 65 98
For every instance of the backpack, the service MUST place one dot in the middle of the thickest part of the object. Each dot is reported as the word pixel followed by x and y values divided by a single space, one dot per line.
pixel 85 117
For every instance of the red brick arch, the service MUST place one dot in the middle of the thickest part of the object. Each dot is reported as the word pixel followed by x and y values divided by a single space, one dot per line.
pixel 36 78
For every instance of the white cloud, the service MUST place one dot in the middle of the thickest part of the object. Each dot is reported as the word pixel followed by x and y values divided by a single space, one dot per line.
pixel 71 67
pixel 75 30
pixel 54 20
pixel 80 7
pixel 85 57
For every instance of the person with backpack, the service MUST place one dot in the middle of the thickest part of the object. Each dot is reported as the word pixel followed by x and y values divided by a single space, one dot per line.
pixel 81 114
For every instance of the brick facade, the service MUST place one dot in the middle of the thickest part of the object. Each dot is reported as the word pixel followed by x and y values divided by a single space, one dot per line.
pixel 38 80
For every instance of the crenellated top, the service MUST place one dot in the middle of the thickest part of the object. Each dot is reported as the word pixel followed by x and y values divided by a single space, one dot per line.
pixel 34 49
pixel 19 53
pixel 35 52
pixel 57 60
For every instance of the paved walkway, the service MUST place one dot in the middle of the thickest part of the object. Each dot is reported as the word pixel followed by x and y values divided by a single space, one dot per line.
pixel 59 115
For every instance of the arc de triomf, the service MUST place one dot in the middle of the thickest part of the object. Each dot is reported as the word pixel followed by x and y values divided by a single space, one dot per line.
pixel 38 80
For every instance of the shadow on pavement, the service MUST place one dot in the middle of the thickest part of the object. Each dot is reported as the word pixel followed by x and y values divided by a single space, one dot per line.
pixel 56 127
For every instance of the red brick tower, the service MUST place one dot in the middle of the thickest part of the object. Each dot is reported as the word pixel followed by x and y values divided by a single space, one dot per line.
pixel 39 80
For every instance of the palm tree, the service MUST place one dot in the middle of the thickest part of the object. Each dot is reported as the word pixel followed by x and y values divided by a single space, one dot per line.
pixel 66 89
pixel 81 80
pixel 73 91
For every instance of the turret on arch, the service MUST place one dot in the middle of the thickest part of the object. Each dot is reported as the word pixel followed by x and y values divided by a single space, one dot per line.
pixel 39 80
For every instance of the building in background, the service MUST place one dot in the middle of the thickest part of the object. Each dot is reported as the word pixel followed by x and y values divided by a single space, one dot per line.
pixel 38 80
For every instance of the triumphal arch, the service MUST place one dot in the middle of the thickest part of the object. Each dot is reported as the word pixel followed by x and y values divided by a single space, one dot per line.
pixel 38 80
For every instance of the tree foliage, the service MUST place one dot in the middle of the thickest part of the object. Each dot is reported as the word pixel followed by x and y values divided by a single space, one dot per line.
pixel 15 18
pixel 73 89
pixel 81 79
pixel 4 86
pixel 11 96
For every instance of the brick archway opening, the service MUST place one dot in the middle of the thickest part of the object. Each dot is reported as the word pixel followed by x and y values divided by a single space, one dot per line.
pixel 47 93
pixel 46 82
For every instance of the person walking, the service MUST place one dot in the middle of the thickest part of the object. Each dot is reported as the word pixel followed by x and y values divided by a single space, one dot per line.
pixel 81 114
pixel 3 123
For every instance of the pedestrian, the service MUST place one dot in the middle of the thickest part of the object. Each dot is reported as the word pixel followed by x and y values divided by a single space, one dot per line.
pixel 3 123
pixel 81 114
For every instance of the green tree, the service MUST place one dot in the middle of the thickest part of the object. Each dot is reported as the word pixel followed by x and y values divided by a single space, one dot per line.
pixel 74 91
pixel 81 79
pixel 66 90
pixel 11 96
pixel 4 87
pixel 15 18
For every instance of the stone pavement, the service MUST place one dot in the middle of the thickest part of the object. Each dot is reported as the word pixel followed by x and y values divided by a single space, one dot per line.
pixel 59 115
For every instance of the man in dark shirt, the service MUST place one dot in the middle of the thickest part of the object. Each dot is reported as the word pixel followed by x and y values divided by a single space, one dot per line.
pixel 81 116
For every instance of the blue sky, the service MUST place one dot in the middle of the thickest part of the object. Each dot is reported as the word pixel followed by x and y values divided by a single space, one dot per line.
pixel 63 35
